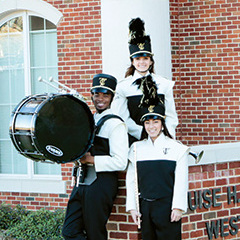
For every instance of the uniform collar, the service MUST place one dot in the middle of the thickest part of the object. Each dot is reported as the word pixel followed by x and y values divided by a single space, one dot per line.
pixel 137 75
pixel 159 141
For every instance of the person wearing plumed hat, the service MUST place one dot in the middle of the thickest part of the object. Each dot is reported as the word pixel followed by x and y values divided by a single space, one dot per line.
pixel 158 169
pixel 92 197
pixel 141 82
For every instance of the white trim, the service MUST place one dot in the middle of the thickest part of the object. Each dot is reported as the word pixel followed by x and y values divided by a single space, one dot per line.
pixel 45 9
pixel 47 185
pixel 217 153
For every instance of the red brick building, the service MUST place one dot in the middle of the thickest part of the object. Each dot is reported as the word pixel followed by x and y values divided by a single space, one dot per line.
pixel 72 40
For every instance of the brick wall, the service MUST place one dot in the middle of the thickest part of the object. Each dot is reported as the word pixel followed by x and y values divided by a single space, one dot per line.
pixel 205 57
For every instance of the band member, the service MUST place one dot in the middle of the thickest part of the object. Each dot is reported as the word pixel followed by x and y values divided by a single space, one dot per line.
pixel 91 200
pixel 159 166
pixel 140 81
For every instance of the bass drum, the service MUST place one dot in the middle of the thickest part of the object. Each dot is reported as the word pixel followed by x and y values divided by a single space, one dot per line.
pixel 55 127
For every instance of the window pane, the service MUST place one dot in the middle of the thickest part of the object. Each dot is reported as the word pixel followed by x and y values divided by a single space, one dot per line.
pixel 4 120
pixel 36 23
pixel 15 50
pixel 4 28
pixel 51 52
pixel 47 168
pixel 19 162
pixel 50 25
pixel 43 59
pixel 4 89
pixel 17 86
pixel 5 156
pixel 38 48
pixel 16 24
pixel 7 166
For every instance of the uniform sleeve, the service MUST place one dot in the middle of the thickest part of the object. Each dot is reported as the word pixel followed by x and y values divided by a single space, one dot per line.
pixel 130 183
pixel 181 183
pixel 171 114
pixel 118 144
pixel 119 107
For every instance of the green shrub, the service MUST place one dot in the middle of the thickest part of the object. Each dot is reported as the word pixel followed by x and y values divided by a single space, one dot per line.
pixel 9 216
pixel 37 225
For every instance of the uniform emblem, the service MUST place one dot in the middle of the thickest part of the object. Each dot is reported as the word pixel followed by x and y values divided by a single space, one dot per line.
pixel 165 150
pixel 102 81
pixel 151 108
pixel 141 46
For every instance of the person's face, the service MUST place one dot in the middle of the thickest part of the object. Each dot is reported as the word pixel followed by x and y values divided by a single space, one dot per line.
pixel 101 100
pixel 153 128
pixel 142 64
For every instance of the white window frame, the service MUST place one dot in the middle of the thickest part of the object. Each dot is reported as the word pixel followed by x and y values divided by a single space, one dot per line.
pixel 30 182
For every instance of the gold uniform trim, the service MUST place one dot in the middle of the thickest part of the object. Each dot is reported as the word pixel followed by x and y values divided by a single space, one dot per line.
pixel 102 81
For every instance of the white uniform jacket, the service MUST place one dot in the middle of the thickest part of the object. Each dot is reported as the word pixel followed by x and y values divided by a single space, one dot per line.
pixel 116 132
pixel 125 88
pixel 164 149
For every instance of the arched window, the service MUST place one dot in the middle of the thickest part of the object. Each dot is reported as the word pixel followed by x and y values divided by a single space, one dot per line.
pixel 28 49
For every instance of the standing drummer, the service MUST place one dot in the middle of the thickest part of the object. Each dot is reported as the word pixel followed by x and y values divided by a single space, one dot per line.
pixel 91 200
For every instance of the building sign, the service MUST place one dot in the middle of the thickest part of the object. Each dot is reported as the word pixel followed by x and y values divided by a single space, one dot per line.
pixel 209 198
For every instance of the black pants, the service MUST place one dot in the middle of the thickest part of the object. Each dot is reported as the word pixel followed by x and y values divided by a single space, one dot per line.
pixel 89 208
pixel 156 221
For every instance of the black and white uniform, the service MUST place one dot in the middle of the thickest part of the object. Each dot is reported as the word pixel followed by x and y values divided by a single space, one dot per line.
pixel 162 169
pixel 90 206
pixel 127 98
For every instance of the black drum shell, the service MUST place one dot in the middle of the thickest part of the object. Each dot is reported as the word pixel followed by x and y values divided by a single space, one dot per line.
pixel 55 127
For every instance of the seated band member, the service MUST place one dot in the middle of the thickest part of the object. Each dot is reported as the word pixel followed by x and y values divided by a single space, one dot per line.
pixel 158 165
pixel 91 202
pixel 140 82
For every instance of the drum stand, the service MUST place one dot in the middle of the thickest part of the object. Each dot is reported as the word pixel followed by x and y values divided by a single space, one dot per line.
pixel 78 172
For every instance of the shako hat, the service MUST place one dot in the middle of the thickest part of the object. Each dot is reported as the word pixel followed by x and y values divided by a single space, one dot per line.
pixel 104 83
pixel 152 112
pixel 139 43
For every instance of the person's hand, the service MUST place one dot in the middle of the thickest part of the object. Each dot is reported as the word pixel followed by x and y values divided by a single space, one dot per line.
pixel 135 216
pixel 176 215
pixel 87 158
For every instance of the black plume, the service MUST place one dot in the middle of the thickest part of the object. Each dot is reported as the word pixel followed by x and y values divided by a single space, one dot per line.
pixel 149 90
pixel 137 31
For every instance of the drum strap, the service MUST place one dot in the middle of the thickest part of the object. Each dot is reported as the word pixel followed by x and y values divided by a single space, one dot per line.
pixel 103 120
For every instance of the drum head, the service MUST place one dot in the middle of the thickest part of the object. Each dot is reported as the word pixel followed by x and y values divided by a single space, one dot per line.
pixel 64 128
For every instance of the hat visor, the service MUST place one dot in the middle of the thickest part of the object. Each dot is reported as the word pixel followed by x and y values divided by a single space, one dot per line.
pixel 141 54
pixel 101 89
pixel 151 116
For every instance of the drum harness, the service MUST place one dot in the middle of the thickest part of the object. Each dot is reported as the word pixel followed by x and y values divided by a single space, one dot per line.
pixel 79 170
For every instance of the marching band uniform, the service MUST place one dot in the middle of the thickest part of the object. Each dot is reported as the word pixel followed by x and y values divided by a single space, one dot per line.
pixel 91 202
pixel 128 94
pixel 161 168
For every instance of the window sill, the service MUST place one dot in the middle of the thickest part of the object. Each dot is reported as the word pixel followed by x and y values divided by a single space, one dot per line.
pixel 47 185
